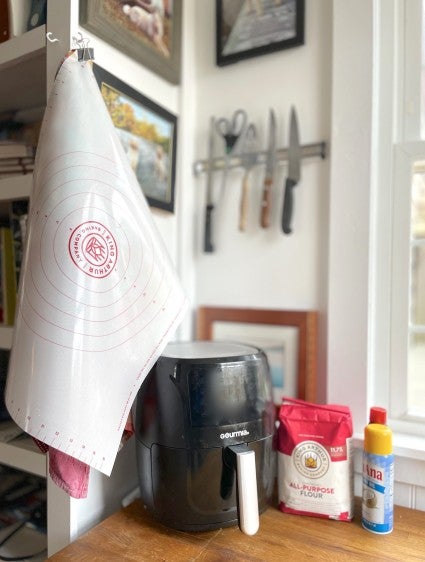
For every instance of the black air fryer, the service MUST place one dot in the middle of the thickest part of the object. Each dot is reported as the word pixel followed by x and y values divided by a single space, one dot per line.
pixel 204 431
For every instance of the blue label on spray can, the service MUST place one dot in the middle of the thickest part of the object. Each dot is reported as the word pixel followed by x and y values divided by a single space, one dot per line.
pixel 378 485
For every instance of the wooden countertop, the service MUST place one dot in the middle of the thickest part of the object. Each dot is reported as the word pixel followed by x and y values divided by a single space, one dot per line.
pixel 131 534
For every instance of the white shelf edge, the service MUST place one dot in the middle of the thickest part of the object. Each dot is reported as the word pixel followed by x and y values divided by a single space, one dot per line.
pixel 15 187
pixel 22 453
pixel 6 337
pixel 25 46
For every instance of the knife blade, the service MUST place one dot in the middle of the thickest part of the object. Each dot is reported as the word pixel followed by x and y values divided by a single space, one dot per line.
pixel 208 244
pixel 294 172
pixel 270 171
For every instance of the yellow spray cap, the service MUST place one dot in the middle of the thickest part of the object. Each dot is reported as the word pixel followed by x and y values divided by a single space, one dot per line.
pixel 378 439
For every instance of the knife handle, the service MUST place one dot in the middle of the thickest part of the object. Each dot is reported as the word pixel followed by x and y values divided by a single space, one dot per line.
pixel 266 203
pixel 288 204
pixel 208 245
pixel 243 212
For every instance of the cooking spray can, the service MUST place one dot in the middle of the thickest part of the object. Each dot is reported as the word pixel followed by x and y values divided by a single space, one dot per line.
pixel 378 474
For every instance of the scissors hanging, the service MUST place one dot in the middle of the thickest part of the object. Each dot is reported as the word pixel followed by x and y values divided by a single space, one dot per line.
pixel 218 164
pixel 232 130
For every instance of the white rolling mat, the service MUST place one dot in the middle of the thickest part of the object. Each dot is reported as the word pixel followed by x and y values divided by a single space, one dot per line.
pixel 99 298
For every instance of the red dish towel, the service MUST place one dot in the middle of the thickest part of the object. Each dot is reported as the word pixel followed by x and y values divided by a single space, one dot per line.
pixel 69 473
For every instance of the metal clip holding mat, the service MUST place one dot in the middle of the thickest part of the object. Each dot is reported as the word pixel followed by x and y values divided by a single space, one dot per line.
pixel 81 45
pixel 85 54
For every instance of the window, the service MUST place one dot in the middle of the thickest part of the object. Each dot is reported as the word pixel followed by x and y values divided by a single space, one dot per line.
pixel 416 345
pixel 408 284
pixel 407 393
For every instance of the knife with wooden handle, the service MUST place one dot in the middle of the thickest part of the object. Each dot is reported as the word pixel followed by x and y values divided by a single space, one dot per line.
pixel 248 161
pixel 294 173
pixel 270 171
pixel 243 213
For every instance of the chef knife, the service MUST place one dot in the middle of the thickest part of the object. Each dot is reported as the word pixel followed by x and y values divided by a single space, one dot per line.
pixel 270 171
pixel 294 172
pixel 208 245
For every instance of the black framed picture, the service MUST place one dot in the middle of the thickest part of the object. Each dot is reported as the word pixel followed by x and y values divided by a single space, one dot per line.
pixel 249 28
pixel 149 31
pixel 148 133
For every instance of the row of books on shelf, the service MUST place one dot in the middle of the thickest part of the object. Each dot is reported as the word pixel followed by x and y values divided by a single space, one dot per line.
pixel 19 16
pixel 12 238
pixel 16 158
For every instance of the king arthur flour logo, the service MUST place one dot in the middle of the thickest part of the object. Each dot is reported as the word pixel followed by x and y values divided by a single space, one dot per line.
pixel 311 459
pixel 93 249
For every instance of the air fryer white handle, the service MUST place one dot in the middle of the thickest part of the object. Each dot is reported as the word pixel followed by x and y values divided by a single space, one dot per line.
pixel 246 477
pixel 242 459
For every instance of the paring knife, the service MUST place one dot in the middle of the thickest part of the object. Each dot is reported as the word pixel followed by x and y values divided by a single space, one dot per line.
pixel 208 245
pixel 294 172
pixel 270 171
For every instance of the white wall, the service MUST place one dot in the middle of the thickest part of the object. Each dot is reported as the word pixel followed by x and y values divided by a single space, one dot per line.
pixel 286 267
pixel 263 268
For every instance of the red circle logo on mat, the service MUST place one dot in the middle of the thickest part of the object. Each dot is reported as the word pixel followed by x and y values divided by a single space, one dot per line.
pixel 93 249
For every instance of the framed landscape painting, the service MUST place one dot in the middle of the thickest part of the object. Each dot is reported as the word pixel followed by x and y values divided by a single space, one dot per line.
pixel 148 133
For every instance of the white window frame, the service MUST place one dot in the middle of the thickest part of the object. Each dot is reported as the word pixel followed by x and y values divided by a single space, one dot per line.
pixel 406 155
pixel 371 42
pixel 399 148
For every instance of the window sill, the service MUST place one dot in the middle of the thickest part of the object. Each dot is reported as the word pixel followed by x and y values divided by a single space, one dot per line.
pixel 406 446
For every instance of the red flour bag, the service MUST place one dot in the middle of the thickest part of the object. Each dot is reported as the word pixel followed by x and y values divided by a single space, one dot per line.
pixel 315 466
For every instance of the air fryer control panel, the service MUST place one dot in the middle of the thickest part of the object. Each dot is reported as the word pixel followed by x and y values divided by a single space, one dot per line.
pixel 206 401
pixel 221 396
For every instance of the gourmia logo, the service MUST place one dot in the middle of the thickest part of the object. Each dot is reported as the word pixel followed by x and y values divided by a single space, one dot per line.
pixel 231 434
